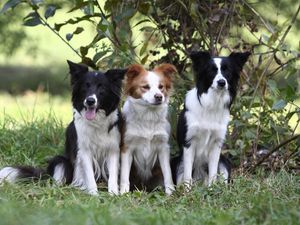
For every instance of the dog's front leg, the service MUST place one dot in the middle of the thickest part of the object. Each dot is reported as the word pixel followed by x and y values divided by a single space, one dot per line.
pixel 84 173
pixel 164 160
pixel 213 162
pixel 188 161
pixel 126 161
pixel 113 168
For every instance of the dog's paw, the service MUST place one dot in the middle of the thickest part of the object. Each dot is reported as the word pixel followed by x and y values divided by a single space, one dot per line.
pixel 124 188
pixel 169 190
pixel 188 185
pixel 113 192
pixel 93 192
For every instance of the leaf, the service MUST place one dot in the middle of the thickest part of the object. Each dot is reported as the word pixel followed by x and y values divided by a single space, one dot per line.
pixel 50 11
pixel 273 86
pixel 89 8
pixel 69 36
pixel 99 55
pixel 279 105
pixel 144 60
pixel 147 29
pixel 84 51
pixel 78 30
pixel 10 4
pixel 79 6
pixel 144 48
pixel 140 22
pixel 32 19
pixel 36 2
pixel 144 7
pixel 127 14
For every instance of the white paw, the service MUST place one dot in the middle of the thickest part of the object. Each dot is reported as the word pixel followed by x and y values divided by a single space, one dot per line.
pixel 124 188
pixel 93 192
pixel 188 185
pixel 113 191
pixel 169 189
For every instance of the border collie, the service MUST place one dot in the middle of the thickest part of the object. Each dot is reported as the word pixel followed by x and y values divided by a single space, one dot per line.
pixel 202 125
pixel 92 147
pixel 145 156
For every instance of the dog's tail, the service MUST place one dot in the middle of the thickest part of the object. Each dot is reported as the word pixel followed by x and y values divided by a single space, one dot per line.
pixel 60 168
pixel 12 174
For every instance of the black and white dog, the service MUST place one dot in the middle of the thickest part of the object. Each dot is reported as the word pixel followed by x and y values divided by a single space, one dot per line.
pixel 92 147
pixel 202 124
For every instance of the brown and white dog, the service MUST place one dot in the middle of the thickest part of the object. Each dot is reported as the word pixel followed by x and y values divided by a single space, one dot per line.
pixel 145 156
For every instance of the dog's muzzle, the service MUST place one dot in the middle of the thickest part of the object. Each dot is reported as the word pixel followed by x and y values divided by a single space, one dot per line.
pixel 221 83
pixel 90 104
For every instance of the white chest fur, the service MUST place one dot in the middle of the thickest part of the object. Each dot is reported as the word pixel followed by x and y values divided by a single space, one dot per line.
pixel 94 139
pixel 207 120
pixel 147 133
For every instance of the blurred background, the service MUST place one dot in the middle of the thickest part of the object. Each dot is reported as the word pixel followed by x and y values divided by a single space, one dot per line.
pixel 38 36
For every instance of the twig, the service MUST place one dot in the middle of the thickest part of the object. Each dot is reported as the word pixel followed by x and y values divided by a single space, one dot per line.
pixel 289 27
pixel 271 58
pixel 276 148
pixel 55 32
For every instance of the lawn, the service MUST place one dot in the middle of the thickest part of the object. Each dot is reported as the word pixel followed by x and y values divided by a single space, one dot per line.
pixel 32 130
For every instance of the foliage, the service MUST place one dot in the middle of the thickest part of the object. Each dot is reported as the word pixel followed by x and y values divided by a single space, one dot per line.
pixel 150 32
pixel 266 198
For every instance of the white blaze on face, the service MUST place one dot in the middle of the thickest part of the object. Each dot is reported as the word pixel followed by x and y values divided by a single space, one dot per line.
pixel 153 81
pixel 219 75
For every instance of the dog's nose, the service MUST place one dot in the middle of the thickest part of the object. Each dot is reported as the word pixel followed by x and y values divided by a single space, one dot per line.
pixel 158 97
pixel 221 83
pixel 90 101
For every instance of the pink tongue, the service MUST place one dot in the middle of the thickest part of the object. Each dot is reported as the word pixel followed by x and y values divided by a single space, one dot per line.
pixel 90 113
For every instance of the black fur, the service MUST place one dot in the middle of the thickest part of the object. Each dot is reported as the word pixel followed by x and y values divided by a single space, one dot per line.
pixel 107 86
pixel 205 71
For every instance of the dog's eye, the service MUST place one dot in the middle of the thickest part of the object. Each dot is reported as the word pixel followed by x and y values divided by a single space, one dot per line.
pixel 87 84
pixel 146 87
pixel 215 69
pixel 161 86
pixel 99 85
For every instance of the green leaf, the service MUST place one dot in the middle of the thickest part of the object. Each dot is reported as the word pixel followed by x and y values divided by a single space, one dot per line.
pixel 69 36
pixel 36 2
pixel 279 105
pixel 144 48
pixel 144 60
pixel 89 8
pixel 140 22
pixel 78 6
pixel 78 30
pixel 99 55
pixel 32 19
pixel 144 7
pixel 84 51
pixel 272 84
pixel 50 11
pixel 10 4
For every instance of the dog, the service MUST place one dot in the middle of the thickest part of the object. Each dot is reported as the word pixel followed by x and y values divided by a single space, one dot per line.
pixel 92 147
pixel 145 155
pixel 202 124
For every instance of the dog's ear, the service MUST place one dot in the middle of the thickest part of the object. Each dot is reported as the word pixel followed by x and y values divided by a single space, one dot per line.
pixel 134 70
pixel 76 70
pixel 168 70
pixel 116 74
pixel 239 58
pixel 200 56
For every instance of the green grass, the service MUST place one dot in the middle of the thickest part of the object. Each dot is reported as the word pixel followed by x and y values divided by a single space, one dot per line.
pixel 264 198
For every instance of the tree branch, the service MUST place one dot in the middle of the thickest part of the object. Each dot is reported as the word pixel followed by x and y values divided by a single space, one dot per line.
pixel 276 148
